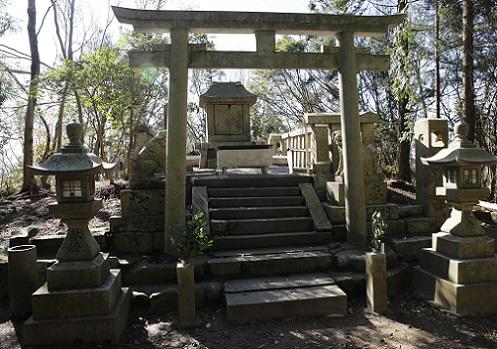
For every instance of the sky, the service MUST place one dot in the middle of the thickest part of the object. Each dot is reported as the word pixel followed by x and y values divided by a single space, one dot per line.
pixel 99 10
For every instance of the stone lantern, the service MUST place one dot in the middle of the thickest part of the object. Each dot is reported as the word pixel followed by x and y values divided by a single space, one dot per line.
pixel 82 298
pixel 459 271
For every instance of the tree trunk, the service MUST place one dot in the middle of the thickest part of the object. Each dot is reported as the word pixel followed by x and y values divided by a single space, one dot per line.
pixel 469 95
pixel 402 102
pixel 437 60
pixel 28 179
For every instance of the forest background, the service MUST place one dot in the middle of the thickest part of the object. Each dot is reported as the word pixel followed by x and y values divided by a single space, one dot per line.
pixel 444 65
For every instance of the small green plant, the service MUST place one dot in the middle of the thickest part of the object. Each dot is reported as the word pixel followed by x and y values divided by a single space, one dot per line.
pixel 379 228
pixel 193 240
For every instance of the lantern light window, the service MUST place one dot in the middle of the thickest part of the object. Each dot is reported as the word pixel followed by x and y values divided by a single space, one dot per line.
pixel 71 188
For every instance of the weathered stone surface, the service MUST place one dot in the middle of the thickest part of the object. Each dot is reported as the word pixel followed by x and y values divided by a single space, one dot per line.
pixel 336 213
pixel 133 242
pixel 421 225
pixel 376 281
pixel 185 278
pixel 48 245
pixel 77 302
pixel 470 299
pixel 147 167
pixel 409 248
pixel 61 275
pixel 491 232
pixel 167 298
pixel 319 217
pixel 150 273
pixel 462 223
pixel 411 211
pixel 92 329
pixel 285 299
pixel 140 224
pixel 271 261
pixel 463 247
pixel 23 279
pixel 460 271
pixel 138 202
pixel 430 135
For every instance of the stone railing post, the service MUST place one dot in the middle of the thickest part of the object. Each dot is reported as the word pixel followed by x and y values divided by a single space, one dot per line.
pixel 320 159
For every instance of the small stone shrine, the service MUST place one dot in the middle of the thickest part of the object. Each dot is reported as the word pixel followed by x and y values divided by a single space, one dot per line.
pixel 228 126
pixel 82 299
pixel 459 271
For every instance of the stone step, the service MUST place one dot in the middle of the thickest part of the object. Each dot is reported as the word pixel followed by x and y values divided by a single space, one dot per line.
pixel 258 212
pixel 254 191
pixel 409 248
pixel 261 225
pixel 282 180
pixel 270 240
pixel 276 262
pixel 283 297
pixel 257 201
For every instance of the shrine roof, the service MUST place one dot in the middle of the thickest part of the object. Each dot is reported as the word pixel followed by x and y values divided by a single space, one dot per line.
pixel 227 93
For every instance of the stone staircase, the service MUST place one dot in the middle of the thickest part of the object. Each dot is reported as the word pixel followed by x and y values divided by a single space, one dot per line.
pixel 269 234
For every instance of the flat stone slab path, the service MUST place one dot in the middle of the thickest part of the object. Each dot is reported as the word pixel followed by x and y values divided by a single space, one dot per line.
pixel 283 297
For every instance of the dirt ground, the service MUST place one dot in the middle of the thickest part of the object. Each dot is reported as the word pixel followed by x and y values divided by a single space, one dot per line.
pixel 410 324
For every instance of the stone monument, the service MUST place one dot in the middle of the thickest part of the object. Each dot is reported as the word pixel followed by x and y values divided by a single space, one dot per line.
pixel 459 271
pixel 227 105
pixel 430 136
pixel 82 299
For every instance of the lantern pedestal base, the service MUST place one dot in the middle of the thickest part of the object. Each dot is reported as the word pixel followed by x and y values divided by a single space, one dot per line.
pixel 461 299
pixel 81 274
pixel 85 328
pixel 82 300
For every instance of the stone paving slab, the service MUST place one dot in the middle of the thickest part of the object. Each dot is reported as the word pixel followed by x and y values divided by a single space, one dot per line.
pixel 283 303
pixel 278 282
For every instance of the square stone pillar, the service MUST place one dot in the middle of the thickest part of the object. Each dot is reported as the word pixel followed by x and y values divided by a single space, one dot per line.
pixel 430 136
pixel 176 139
pixel 355 203
pixel 320 158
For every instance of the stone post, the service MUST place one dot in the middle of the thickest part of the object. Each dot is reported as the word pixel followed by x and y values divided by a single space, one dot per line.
pixel 320 158
pixel 355 203
pixel 376 284
pixel 186 294
pixel 23 279
pixel 176 138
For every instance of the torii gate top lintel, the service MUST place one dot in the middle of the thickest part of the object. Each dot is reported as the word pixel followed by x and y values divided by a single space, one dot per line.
pixel 250 22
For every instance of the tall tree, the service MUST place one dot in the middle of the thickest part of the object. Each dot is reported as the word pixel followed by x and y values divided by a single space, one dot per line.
pixel 437 59
pixel 28 179
pixel 468 48
pixel 402 88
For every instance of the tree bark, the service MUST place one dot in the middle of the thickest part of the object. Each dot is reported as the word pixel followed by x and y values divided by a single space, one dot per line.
pixel 28 179
pixel 469 95
pixel 437 60
pixel 402 102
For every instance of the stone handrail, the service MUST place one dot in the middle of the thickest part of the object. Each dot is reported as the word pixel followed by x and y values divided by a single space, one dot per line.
pixel 296 146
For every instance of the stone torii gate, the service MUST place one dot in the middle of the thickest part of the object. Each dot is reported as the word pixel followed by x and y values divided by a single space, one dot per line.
pixel 179 56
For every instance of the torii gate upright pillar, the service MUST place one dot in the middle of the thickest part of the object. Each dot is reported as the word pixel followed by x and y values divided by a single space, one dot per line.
pixel 355 200
pixel 176 139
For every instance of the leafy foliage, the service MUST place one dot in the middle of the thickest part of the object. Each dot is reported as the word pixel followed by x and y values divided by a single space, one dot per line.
pixel 378 228
pixel 193 240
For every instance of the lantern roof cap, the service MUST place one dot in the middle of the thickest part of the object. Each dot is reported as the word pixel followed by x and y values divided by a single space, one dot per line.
pixel 227 93
pixel 460 151
pixel 73 157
